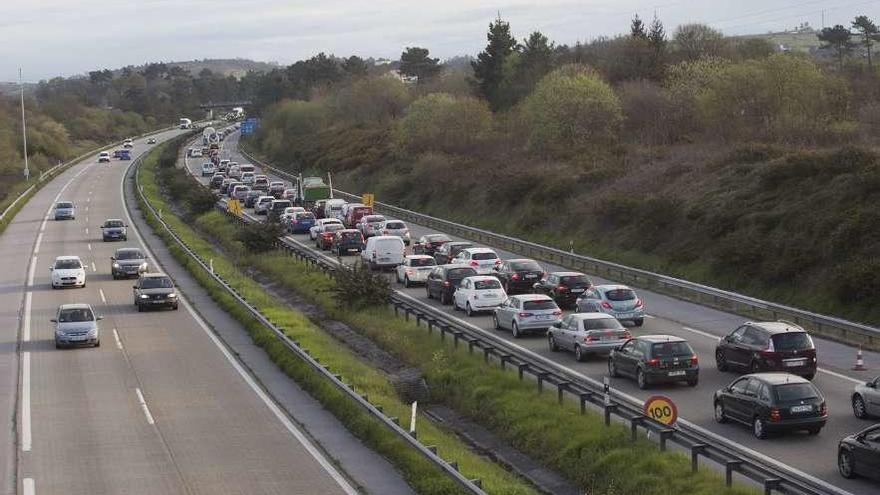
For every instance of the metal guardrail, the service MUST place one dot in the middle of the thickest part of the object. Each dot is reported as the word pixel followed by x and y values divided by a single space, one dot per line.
pixel 830 327
pixel 429 452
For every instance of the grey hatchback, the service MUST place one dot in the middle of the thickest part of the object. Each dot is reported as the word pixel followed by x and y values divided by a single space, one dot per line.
pixel 655 359
pixel 76 324
pixel 65 210
pixel 127 262
pixel 526 313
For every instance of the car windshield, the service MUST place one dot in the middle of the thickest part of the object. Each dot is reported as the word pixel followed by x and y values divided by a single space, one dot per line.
pixel 487 284
pixel 64 205
pixel 537 305
pixel 484 256
pixel 374 219
pixel 669 349
pixel 75 315
pixel 156 283
pixel 460 273
pixel 795 391
pixel 437 238
pixel 575 280
pixel 129 255
pixel 67 264
pixel 395 225
pixel 620 295
pixel 792 341
pixel 423 262
pixel 114 223
pixel 525 266
pixel 602 324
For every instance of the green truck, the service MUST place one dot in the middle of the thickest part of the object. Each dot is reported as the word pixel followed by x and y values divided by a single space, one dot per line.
pixel 312 189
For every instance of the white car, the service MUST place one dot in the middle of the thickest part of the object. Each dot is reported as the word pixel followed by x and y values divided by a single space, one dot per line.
pixel 248 177
pixel 196 153
pixel 396 228
pixel 234 171
pixel 291 212
pixel 208 169
pixel 104 156
pixel 262 204
pixel 224 164
pixel 68 271
pixel 371 225
pixel 415 269
pixel 319 226
pixel 483 260
pixel 383 251
pixel 480 293
pixel 128 143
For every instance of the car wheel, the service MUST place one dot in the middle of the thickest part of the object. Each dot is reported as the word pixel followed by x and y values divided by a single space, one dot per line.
pixel 810 376
pixel 551 342
pixel 495 324
pixel 693 382
pixel 176 307
pixel 98 343
pixel 814 431
pixel 720 417
pixel 642 379
pixel 444 300
pixel 140 308
pixel 639 322
pixel 845 465
pixel 612 369
pixel 468 310
pixel 579 354
pixel 859 409
pixel 720 361
pixel 406 282
pixel 759 429
pixel 514 329
pixel 57 345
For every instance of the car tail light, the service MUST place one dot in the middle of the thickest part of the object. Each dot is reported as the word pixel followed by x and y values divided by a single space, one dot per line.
pixel 557 313
pixel 523 315
pixel 654 362
pixel 474 263
pixel 497 261
pixel 562 288
pixel 694 360
pixel 774 414
pixel 606 305
pixel 446 283
pixel 515 276
pixel 626 335
pixel 823 409
pixel 590 338
pixel 639 303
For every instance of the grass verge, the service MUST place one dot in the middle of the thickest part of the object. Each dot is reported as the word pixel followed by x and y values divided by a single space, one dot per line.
pixel 419 473
pixel 598 459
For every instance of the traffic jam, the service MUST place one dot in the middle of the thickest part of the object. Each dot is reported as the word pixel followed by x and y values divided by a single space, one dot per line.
pixel 775 361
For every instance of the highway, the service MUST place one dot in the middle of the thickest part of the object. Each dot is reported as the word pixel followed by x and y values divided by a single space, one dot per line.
pixel 161 407
pixel 814 455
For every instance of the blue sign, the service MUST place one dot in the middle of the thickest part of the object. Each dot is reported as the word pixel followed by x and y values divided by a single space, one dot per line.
pixel 250 125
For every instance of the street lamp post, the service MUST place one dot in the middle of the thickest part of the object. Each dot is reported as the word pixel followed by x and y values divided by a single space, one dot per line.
pixel 27 171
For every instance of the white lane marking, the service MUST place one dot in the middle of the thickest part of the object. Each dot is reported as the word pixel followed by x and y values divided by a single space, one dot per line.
pixel 94 268
pixel 273 407
pixel 101 293
pixel 116 337
pixel 821 370
pixel 38 243
pixel 28 487
pixel 26 402
pixel 90 244
pixel 28 299
pixel 87 231
pixel 144 406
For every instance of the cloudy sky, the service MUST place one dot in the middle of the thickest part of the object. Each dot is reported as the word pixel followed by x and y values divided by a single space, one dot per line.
pixel 67 37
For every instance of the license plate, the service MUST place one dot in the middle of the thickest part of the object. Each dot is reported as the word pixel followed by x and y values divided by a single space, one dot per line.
pixel 793 364
pixel 801 409
pixel 624 315
pixel 544 317
pixel 491 295
pixel 577 290
pixel 531 275
pixel 677 373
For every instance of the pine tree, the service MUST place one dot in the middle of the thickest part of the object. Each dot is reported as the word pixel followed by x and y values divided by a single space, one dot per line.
pixel 869 33
pixel 416 62
pixel 489 66
pixel 637 28
pixel 839 38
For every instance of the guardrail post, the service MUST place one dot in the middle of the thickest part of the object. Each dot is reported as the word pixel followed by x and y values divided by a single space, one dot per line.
pixel 609 408
pixel 541 375
pixel 665 435
pixel 443 330
pixel 729 467
pixel 584 397
pixel 504 358
pixel 432 449
pixel 561 387
pixel 430 326
pixel 770 484
pixel 406 314
pixel 455 336
pixel 471 344
pixel 696 450
pixel 634 424
pixel 521 366
pixel 486 351
pixel 477 482
pixel 454 465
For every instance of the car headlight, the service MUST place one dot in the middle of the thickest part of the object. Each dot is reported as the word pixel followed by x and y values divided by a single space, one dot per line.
pixel 143 265
pixel 115 265
pixel 144 296
pixel 172 295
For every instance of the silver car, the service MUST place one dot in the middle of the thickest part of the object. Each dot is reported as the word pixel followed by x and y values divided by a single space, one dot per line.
pixel 415 269
pixel 240 192
pixel 65 209
pixel 526 313
pixel 866 399
pixel 586 334
pixel 262 205
pixel 76 324
pixel 371 225
pixel 618 301
pixel 397 229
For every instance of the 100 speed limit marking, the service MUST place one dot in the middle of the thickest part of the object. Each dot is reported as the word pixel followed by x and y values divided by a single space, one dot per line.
pixel 661 409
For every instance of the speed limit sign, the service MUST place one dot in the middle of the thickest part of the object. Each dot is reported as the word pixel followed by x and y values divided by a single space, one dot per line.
pixel 661 409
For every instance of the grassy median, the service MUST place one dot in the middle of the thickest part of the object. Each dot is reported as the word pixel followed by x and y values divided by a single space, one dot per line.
pixel 419 473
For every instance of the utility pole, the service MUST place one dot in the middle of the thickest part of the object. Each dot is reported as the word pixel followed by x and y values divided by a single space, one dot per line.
pixel 823 18
pixel 27 171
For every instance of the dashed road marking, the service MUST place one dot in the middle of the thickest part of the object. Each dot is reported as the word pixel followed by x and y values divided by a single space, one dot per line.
pixel 101 293
pixel 26 402
pixel 144 406
pixel 118 341
pixel 27 486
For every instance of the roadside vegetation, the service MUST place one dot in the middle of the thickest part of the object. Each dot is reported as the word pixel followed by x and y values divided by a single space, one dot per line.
pixel 596 458
pixel 721 160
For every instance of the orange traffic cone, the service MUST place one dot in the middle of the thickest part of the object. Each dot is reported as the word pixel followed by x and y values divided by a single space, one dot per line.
pixel 860 363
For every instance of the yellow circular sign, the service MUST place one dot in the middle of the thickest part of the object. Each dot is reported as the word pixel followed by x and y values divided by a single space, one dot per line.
pixel 661 409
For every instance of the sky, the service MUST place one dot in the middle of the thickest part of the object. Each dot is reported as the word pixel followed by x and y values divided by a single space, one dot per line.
pixel 49 38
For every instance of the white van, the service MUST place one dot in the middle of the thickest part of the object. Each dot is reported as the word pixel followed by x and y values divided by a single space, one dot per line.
pixel 333 208
pixel 382 251
pixel 247 167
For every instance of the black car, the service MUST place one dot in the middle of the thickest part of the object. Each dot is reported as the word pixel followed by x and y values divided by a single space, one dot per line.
pixel 519 275
pixel 276 190
pixel 444 279
pixel 251 198
pixel 444 254
pixel 429 243
pixel 216 181
pixel 154 290
pixel 768 346
pixel 771 402
pixel 346 240
pixel 127 262
pixel 563 287
pixel 114 229
pixel 859 454
pixel 652 359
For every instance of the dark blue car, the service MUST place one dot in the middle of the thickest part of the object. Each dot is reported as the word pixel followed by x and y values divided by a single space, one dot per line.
pixel 301 222
pixel 124 154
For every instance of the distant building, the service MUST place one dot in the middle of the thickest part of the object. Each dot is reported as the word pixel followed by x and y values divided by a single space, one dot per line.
pixel 405 79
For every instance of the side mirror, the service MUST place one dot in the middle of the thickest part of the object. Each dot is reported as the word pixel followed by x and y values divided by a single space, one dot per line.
pixel 870 385
pixel 51 268
pixel 557 324
pixel 113 258
pixel 134 286
pixel 54 320
pixel 100 317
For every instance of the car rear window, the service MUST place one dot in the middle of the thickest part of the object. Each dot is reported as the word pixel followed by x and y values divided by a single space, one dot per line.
pixel 796 391
pixel 332 227
pixel 538 305
pixel 156 283
pixel 460 273
pixel 620 295
pixel 525 266
pixel 484 256
pixel 129 255
pixel 68 264
pixel 303 216
pixel 487 284
pixel 669 349
pixel 75 315
pixel 791 341
pixel 423 262
pixel 602 324
pixel 395 225
pixel 64 205
pixel 374 218
pixel 575 280
pixel 350 235
pixel 437 238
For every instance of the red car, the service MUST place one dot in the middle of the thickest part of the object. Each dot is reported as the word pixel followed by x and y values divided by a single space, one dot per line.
pixel 325 239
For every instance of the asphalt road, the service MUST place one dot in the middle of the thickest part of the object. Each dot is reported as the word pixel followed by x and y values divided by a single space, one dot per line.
pixel 814 455
pixel 159 407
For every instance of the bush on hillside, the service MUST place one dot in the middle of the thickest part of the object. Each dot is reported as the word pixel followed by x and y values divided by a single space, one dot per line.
pixel 373 100
pixel 259 237
pixel 358 287
pixel 571 110
pixel 648 112
pixel 446 123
